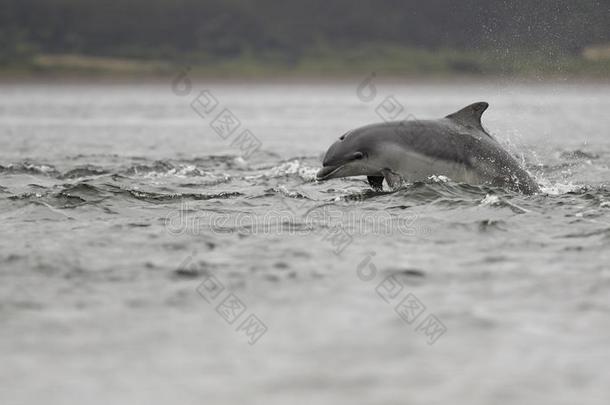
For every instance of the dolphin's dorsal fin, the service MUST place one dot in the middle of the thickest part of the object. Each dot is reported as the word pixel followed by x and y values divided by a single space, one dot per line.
pixel 470 116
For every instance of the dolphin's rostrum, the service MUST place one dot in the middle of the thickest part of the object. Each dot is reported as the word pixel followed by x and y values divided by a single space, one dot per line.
pixel 456 146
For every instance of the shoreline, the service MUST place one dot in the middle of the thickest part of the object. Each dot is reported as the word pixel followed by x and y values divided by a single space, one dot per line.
pixel 403 64
pixel 293 78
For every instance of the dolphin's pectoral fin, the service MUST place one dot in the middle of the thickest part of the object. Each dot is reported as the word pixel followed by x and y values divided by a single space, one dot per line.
pixel 393 179
pixel 376 182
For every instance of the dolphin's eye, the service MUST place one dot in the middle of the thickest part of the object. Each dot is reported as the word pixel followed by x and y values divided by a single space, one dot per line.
pixel 342 137
pixel 358 155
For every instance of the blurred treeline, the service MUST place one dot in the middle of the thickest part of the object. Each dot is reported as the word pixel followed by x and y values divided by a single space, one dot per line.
pixel 467 35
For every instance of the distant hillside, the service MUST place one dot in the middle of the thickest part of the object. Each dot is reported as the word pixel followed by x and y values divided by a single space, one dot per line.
pixel 291 32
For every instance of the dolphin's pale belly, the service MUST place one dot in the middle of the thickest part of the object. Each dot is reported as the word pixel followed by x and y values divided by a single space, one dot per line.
pixel 412 166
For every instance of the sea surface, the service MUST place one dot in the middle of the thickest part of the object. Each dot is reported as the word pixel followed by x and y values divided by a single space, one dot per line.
pixel 166 242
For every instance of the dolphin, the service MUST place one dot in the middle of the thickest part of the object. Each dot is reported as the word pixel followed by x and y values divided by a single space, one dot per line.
pixel 456 146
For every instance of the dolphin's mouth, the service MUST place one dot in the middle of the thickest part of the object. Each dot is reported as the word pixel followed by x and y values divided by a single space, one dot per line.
pixel 327 172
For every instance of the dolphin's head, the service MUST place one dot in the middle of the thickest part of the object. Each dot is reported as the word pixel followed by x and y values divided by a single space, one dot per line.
pixel 352 155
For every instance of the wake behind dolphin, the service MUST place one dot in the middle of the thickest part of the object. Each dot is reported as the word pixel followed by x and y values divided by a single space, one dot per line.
pixel 456 146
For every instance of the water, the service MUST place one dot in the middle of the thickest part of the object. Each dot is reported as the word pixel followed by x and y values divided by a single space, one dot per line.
pixel 117 201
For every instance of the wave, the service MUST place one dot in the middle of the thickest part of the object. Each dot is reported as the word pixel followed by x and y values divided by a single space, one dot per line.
pixel 156 169
pixel 86 193
pixel 555 177
pixel 83 172
pixel 29 168
pixel 578 154
pixel 292 167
